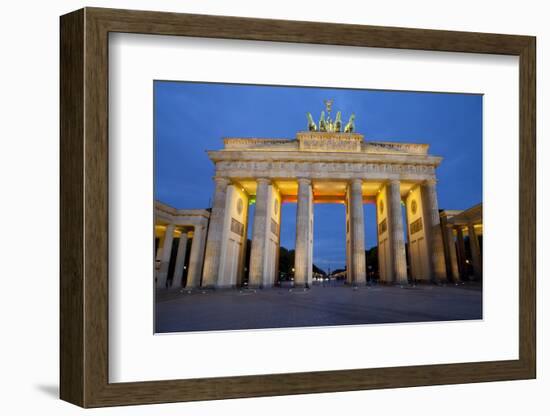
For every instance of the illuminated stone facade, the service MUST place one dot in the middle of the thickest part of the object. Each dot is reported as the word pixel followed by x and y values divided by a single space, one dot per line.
pixel 319 167
pixel 325 167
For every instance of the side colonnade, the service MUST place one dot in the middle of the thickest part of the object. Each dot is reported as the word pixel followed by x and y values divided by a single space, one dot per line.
pixel 189 227
pixel 464 261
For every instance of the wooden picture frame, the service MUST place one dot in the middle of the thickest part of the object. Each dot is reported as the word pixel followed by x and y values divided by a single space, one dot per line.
pixel 84 207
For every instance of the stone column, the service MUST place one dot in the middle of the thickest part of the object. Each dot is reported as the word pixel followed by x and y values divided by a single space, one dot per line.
pixel 455 274
pixel 302 254
pixel 278 255
pixel 158 254
pixel 215 231
pixel 165 256
pixel 433 231
pixel 180 260
pixel 242 257
pixel 462 269
pixel 259 231
pixel 395 227
pixel 476 252
pixel 407 227
pixel 357 232
pixel 349 257
pixel 196 257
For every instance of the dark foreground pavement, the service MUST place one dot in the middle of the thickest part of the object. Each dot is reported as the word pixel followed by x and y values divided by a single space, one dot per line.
pixel 322 305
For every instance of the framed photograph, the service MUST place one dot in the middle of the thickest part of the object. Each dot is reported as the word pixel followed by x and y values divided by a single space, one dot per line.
pixel 254 207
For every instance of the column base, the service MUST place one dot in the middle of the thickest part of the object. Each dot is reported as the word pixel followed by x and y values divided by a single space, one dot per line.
pixel 301 286
pixel 253 285
pixel 221 287
pixel 207 287
pixel 261 286
pixel 357 284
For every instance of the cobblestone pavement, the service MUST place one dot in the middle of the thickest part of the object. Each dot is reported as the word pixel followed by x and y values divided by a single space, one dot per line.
pixel 322 305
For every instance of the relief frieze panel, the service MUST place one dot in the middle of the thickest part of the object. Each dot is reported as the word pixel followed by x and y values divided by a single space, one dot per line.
pixel 320 169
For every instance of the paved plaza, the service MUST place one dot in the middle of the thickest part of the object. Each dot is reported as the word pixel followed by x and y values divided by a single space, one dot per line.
pixel 325 304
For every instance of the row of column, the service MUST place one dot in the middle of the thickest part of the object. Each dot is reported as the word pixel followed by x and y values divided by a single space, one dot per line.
pixel 304 233
pixel 457 254
pixel 195 258
pixel 395 226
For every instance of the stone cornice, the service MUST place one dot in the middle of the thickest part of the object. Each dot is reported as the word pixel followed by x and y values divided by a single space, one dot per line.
pixel 450 212
pixel 324 170
pixel 328 135
pixel 253 140
pixel 234 143
pixel 161 208
pixel 324 142
pixel 395 147
pixel 472 214
pixel 297 156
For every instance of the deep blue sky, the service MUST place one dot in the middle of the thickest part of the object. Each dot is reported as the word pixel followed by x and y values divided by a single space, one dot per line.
pixel 191 118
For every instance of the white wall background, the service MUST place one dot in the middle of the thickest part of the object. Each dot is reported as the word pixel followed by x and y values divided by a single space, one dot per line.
pixel 29 158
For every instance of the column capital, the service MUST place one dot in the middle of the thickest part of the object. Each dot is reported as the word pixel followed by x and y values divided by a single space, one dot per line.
pixel 221 181
pixel 430 182
pixel 355 188
pixel 264 181
pixel 304 181
pixel 394 182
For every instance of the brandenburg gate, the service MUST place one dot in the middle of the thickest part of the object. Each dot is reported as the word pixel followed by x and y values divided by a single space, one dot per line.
pixel 327 163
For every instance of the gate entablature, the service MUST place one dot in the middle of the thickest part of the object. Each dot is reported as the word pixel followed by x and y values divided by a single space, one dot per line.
pixel 322 155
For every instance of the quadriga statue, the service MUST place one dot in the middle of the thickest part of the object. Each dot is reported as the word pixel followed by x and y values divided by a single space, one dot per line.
pixel 350 127
pixel 338 122
pixel 311 126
